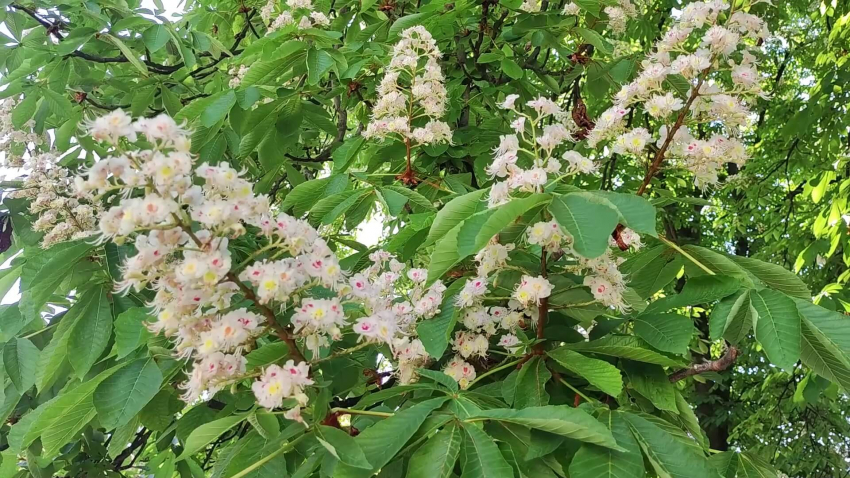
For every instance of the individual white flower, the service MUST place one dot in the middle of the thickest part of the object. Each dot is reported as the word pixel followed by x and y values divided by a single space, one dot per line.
pixel 508 104
pixel 570 9
pixel 531 289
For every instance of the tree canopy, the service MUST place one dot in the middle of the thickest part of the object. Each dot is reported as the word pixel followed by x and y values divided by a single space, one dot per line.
pixel 513 238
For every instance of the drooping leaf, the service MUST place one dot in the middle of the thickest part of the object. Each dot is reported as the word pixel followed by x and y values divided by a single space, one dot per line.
pixel 777 326
pixel 130 331
pixel 91 331
pixel 666 332
pixel 588 218
pixel 381 441
pixel 436 457
pixel 594 461
pixel 342 446
pixel 598 373
pixel 651 382
pixel 481 457
pixel 667 455
pixel 20 358
pixel 558 419
pixel 732 318
pixel 43 273
pixel 121 396
pixel 624 346
pixel 531 384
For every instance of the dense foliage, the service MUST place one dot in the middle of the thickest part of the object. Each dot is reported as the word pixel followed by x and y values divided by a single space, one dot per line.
pixel 612 239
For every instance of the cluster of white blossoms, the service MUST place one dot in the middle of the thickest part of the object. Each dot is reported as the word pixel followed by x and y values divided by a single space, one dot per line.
pixel 549 236
pixel 159 194
pixel 61 216
pixel 533 143
pixel 718 64
pixel 49 186
pixel 461 371
pixel 412 94
pixel 392 307
pixel 299 12
pixel 618 15
pixel 15 143
pixel 237 74
pixel 602 274
pixel 482 322
pixel 277 383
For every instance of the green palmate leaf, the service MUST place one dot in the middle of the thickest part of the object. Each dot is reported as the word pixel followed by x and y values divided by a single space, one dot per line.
pixel 343 155
pixel 698 290
pixel 716 262
pixel 60 419
pixel 405 22
pixel 668 456
pixel 445 255
pixel 24 111
pixel 635 212
pixel 319 62
pixel 91 331
pixel 481 457
pixel 732 318
pixel 265 423
pixel 414 197
pixel 560 420
pixel 130 331
pixel 436 332
pixel 43 273
pixel 588 218
pixel 689 420
pixel 477 230
pixel 266 354
pixel 594 461
pixel 440 378
pixel 77 38
pixel 155 37
pixel 127 52
pixel 382 395
pixel 454 212
pixel 381 441
pixel 216 110
pixel 305 195
pixel 777 326
pixel 207 433
pixel 11 321
pixel 598 373
pixel 54 357
pixel 595 39
pixel 825 344
pixel 20 358
pixel 651 269
pixel 774 276
pixel 342 446
pixel 120 397
pixel 511 68
pixel 625 346
pixel 667 332
pixel 531 384
pixel 651 382
pixel 436 457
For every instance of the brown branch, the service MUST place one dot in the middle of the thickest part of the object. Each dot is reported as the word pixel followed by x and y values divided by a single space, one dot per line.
pixel 281 331
pixel 718 365
pixel 659 156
